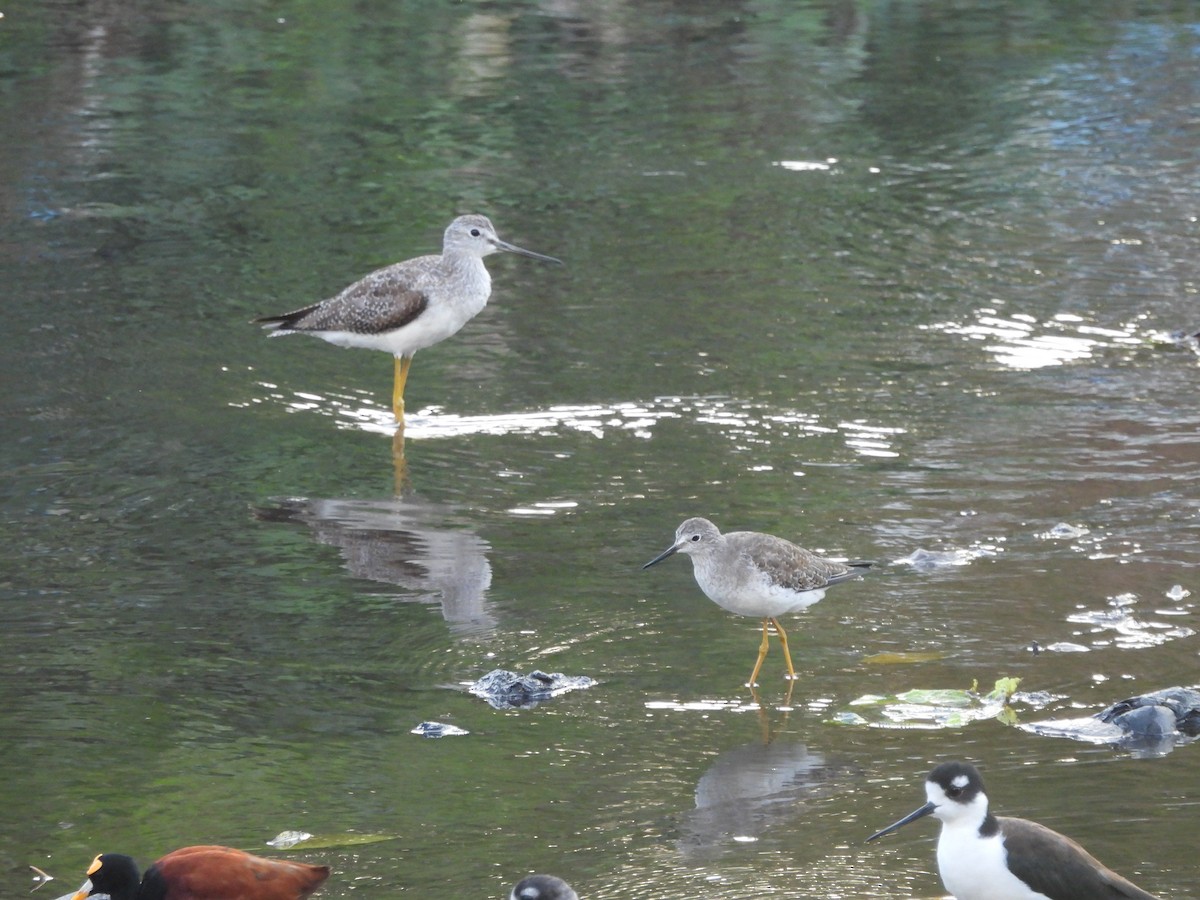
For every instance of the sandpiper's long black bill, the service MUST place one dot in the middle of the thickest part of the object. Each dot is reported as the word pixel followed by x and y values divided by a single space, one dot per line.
pixel 674 548
pixel 513 248
pixel 911 817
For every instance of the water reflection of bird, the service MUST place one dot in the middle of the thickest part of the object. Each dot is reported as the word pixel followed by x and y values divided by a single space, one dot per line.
pixel 986 857
pixel 543 887
pixel 406 542
pixel 752 788
pixel 754 574
pixel 410 305
pixel 202 873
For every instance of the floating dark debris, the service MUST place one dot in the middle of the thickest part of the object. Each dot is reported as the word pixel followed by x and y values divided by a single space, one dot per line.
pixel 511 690
pixel 1151 724
pixel 438 730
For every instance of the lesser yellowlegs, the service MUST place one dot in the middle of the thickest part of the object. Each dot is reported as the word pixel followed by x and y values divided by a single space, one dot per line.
pixel 754 574
pixel 409 305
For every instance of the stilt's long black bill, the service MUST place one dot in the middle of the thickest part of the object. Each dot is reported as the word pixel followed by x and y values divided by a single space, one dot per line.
pixel 661 556
pixel 911 817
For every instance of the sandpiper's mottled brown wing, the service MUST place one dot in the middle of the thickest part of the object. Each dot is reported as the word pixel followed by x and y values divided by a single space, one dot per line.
pixel 385 300
pixel 791 566
pixel 221 873
pixel 1043 860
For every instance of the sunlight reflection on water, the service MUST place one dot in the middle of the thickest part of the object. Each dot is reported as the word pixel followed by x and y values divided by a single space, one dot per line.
pixel 1118 626
pixel 740 420
pixel 1021 341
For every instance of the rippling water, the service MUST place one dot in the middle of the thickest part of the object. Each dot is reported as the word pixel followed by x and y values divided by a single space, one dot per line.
pixel 898 281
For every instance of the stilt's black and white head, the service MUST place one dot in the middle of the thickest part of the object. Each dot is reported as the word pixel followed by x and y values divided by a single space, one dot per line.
pixel 954 794
pixel 956 791
pixel 543 887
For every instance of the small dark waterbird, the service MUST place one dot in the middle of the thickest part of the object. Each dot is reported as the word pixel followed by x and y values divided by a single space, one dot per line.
pixel 754 574
pixel 410 305
pixel 543 887
pixel 986 857
pixel 202 873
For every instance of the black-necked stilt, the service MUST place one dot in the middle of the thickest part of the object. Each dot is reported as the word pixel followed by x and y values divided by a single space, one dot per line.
pixel 543 887
pixel 409 305
pixel 755 574
pixel 986 857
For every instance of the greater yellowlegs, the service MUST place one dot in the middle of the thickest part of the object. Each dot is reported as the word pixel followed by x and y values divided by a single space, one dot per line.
pixel 986 857
pixel 409 305
pixel 754 574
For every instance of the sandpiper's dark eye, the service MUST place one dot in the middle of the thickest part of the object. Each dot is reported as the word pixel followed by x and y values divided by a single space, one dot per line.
pixel 695 537
pixel 475 232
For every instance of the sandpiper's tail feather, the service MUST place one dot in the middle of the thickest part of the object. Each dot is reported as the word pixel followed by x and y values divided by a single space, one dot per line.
pixel 852 574
pixel 286 321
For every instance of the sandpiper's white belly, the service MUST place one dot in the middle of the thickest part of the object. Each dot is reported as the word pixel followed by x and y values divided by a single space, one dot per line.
pixel 974 868
pixel 436 323
pixel 744 589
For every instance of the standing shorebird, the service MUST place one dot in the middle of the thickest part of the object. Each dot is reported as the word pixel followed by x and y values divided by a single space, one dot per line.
pixel 986 857
pixel 755 574
pixel 410 305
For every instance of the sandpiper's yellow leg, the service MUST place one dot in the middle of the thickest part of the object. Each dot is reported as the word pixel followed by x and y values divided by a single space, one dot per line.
pixel 786 655
pixel 402 364
pixel 399 463
pixel 762 654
